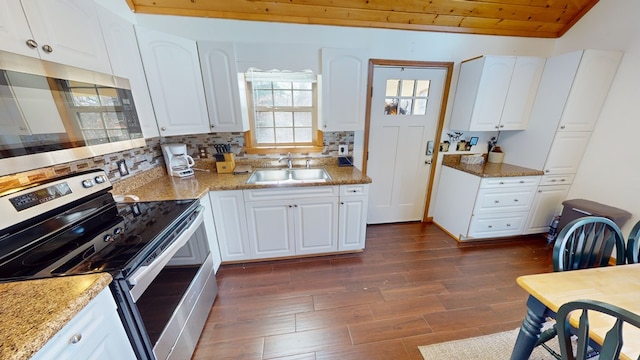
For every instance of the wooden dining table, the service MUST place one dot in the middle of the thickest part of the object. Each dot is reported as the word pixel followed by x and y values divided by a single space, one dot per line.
pixel 618 285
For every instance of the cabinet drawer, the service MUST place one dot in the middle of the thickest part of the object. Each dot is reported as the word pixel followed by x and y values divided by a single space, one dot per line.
pixel 501 182
pixel 489 226
pixel 290 193
pixel 557 179
pixel 507 199
pixel 355 189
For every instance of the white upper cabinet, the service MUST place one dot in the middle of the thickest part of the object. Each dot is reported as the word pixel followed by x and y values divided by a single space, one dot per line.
pixel 64 31
pixel 495 93
pixel 344 89
pixel 220 76
pixel 120 38
pixel 175 82
pixel 589 90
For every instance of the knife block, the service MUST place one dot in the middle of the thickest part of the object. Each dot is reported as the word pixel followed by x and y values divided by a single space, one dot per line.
pixel 226 166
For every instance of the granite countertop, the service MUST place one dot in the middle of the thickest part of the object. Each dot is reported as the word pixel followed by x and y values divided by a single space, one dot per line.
pixel 155 184
pixel 33 311
pixel 487 169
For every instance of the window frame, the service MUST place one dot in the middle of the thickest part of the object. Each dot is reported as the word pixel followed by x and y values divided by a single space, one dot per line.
pixel 251 145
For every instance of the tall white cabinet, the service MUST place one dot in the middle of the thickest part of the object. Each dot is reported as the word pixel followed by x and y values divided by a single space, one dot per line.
pixel 572 91
pixel 48 30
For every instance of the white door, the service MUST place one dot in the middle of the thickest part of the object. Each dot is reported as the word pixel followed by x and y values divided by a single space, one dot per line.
pixel 405 109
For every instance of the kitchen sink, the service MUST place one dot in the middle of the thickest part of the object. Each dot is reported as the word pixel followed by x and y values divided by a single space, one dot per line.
pixel 288 176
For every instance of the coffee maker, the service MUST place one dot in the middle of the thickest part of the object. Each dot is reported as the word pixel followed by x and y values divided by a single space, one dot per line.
pixel 178 162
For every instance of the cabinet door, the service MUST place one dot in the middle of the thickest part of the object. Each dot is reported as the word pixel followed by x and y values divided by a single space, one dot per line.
pixel 270 228
pixel 231 224
pixel 492 93
pixel 175 82
pixel 316 225
pixel 14 29
pixel 94 333
pixel 352 226
pixel 344 83
pixel 546 204
pixel 220 76
pixel 72 31
pixel 120 38
pixel 522 92
pixel 589 90
pixel 566 152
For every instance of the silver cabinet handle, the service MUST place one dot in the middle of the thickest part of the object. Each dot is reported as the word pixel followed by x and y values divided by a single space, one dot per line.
pixel 501 126
pixel 562 126
pixel 547 171
pixel 163 128
pixel 47 48
pixel 75 338
pixel 32 43
pixel 515 200
pixel 508 225
pixel 496 201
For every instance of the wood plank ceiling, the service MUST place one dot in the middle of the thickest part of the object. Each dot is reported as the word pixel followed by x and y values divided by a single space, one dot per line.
pixel 527 18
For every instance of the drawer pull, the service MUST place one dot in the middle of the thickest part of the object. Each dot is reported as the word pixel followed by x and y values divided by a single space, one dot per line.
pixel 508 225
pixel 490 226
pixel 75 338
pixel 353 191
pixel 562 179
pixel 521 181
pixel 496 201
pixel 515 200
pixel 553 180
pixel 501 182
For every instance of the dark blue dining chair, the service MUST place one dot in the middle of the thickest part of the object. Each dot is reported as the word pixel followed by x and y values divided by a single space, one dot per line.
pixel 633 245
pixel 613 340
pixel 583 243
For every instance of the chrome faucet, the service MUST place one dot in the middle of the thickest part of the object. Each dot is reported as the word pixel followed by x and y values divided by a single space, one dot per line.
pixel 289 160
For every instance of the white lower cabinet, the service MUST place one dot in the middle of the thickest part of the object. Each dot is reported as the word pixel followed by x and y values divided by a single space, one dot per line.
pixel 469 207
pixel 352 225
pixel 294 221
pixel 284 222
pixel 94 333
pixel 231 224
pixel 546 204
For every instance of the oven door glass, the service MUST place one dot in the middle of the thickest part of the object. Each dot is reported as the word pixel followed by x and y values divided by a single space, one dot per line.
pixel 167 304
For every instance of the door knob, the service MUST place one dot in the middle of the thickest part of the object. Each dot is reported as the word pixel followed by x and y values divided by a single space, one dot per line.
pixel 428 162
pixel 47 48
pixel 32 43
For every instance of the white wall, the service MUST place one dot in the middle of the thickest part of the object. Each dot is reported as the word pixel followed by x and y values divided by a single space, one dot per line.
pixel 609 170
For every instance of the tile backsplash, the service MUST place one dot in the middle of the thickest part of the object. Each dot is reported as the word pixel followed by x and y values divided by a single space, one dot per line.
pixel 150 156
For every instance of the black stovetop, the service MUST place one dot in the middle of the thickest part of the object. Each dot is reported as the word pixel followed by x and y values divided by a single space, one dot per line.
pixel 74 243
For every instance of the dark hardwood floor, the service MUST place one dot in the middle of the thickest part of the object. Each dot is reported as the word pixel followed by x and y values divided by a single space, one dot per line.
pixel 413 285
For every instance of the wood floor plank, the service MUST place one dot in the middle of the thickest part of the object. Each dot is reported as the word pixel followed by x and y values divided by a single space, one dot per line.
pixel 413 285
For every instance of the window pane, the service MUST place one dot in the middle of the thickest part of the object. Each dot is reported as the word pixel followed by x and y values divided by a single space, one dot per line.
pixel 118 135
pixel 90 120
pixel 261 84
pixel 303 85
pixel 407 87
pixel 405 106
pixel 265 135
pixel 284 119
pixel 264 119
pixel 95 134
pixel 423 88
pixel 302 98
pixel 85 97
pixel 114 120
pixel 420 107
pixel 284 135
pixel 390 106
pixel 302 119
pixel 392 87
pixel 282 98
pixel 108 97
pixel 263 98
pixel 303 134
pixel 282 85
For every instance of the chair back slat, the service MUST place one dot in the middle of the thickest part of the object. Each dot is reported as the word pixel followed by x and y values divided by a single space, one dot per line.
pixel 633 245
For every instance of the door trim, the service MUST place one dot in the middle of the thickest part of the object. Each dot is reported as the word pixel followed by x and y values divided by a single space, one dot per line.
pixel 445 97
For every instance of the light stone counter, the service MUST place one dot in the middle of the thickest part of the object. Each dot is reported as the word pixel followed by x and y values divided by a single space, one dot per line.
pixel 32 312
pixel 155 184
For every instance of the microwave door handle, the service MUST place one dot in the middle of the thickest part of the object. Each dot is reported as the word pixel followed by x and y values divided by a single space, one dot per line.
pixel 143 276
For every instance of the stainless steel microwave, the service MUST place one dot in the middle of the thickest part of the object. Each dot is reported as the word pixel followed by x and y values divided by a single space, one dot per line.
pixel 52 113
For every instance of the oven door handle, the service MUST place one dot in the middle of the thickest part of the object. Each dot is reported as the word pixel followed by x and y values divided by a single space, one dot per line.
pixel 143 276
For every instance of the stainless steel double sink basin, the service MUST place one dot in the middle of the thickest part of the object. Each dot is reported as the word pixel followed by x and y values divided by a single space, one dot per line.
pixel 288 176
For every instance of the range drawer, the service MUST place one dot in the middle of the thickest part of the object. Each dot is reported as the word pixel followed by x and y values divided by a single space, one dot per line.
pixel 518 198
pixel 496 225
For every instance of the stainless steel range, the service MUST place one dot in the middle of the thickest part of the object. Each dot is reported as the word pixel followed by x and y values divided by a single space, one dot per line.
pixel 157 253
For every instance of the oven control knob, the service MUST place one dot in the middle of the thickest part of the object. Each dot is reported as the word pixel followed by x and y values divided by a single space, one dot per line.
pixel 109 238
pixel 118 231
pixel 100 179
pixel 87 183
